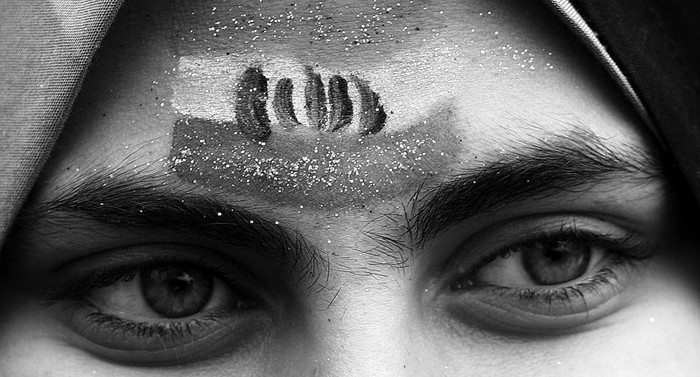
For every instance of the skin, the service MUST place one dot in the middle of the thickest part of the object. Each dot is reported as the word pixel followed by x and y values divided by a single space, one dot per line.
pixel 365 310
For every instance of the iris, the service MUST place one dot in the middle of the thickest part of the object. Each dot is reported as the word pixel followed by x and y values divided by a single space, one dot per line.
pixel 176 291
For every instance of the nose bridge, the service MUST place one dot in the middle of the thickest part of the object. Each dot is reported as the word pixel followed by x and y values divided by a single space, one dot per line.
pixel 366 318
pixel 366 332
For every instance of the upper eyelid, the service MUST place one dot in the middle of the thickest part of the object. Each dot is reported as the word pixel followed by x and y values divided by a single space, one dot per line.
pixel 77 277
pixel 542 169
pixel 626 242
pixel 523 229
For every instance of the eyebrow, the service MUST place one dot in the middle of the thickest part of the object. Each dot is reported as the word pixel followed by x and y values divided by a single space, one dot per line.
pixel 565 163
pixel 114 200
pixel 574 162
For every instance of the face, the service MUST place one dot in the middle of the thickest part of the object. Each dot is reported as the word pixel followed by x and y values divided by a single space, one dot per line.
pixel 345 188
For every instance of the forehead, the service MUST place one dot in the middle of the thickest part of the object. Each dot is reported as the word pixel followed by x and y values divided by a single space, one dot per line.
pixel 504 71
pixel 417 55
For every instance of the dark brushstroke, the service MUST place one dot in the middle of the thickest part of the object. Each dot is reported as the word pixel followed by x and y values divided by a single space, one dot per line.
pixel 372 114
pixel 282 103
pixel 341 105
pixel 315 100
pixel 251 98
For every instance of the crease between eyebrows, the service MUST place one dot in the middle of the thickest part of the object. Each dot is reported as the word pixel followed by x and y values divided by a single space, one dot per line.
pixel 144 202
pixel 575 162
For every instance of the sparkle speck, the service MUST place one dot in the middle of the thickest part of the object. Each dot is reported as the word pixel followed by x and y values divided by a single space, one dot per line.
pixel 326 170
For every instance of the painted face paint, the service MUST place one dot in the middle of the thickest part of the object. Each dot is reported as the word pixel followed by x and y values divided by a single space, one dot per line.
pixel 283 104
pixel 251 98
pixel 341 104
pixel 334 143
pixel 406 50
pixel 306 166
pixel 315 96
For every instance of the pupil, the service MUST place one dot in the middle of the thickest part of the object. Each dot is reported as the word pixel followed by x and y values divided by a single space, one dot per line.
pixel 182 282
pixel 556 262
pixel 176 291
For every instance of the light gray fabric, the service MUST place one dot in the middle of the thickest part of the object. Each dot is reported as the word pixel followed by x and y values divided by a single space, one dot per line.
pixel 45 49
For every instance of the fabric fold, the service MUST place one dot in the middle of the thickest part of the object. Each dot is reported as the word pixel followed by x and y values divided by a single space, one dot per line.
pixel 650 48
pixel 45 49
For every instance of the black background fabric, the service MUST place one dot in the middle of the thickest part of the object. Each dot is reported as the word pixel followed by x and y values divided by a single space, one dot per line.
pixel 655 43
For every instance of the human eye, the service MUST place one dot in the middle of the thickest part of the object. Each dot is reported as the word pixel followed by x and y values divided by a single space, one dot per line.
pixel 159 304
pixel 546 275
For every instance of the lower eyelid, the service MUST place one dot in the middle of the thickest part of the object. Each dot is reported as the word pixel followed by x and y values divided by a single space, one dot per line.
pixel 162 343
pixel 534 312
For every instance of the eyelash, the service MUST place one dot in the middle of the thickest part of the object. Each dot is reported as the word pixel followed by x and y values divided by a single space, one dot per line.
pixel 106 276
pixel 92 319
pixel 171 331
pixel 625 255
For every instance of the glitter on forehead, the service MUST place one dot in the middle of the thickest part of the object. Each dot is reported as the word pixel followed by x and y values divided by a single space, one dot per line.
pixel 345 25
pixel 311 168
pixel 305 28
pixel 432 47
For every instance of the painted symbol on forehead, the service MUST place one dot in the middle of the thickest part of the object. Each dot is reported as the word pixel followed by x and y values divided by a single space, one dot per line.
pixel 324 163
pixel 252 95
